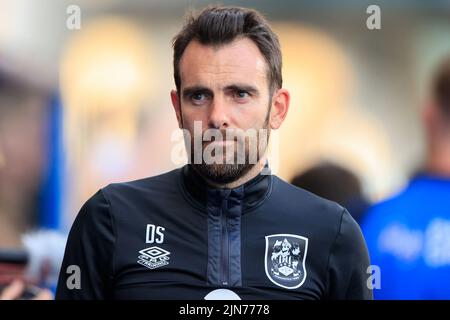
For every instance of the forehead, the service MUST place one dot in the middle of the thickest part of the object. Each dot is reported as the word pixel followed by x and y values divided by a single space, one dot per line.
pixel 239 60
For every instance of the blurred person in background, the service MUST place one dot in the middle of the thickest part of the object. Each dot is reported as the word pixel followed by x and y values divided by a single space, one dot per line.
pixel 408 235
pixel 334 183
pixel 22 158
pixel 24 256
pixel 18 290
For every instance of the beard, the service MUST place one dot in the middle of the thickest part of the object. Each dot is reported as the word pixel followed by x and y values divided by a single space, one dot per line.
pixel 240 163
pixel 223 173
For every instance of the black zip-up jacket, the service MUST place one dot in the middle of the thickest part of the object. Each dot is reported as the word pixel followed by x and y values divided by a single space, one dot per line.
pixel 173 237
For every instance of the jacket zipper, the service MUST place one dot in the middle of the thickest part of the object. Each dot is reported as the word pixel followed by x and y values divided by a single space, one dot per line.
pixel 225 246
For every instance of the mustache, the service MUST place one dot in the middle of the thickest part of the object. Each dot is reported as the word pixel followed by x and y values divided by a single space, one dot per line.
pixel 234 135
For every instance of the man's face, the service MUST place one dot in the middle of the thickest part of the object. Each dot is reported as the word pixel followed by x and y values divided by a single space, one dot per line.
pixel 225 88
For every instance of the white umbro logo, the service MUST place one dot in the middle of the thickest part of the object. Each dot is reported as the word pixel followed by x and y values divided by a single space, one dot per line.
pixel 154 257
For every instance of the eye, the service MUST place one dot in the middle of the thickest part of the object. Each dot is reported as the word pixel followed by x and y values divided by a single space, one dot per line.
pixel 198 97
pixel 242 94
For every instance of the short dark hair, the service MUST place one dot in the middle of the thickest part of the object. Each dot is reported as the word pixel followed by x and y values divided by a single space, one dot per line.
pixel 217 25
pixel 441 88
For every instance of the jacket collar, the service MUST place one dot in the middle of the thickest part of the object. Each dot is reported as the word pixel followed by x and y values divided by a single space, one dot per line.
pixel 202 195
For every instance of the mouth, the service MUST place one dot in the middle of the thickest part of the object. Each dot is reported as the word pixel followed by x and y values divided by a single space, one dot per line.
pixel 221 143
pixel 227 148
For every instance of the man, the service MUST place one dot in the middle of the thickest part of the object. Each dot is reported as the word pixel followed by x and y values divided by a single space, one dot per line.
pixel 409 235
pixel 322 179
pixel 212 229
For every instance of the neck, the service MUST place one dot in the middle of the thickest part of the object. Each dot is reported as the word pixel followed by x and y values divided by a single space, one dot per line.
pixel 253 172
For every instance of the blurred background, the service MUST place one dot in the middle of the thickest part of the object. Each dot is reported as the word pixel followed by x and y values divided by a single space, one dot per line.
pixel 86 104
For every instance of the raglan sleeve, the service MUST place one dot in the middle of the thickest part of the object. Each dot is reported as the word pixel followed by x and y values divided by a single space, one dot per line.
pixel 87 267
pixel 348 263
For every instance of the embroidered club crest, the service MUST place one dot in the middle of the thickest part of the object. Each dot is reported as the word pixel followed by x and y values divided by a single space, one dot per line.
pixel 285 259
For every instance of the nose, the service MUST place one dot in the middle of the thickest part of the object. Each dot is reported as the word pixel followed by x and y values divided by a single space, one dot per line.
pixel 218 116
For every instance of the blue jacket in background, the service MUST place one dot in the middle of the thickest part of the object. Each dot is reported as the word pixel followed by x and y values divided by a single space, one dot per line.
pixel 408 237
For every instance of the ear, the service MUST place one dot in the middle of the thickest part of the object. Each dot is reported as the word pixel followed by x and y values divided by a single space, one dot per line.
pixel 177 107
pixel 433 119
pixel 280 107
pixel 430 115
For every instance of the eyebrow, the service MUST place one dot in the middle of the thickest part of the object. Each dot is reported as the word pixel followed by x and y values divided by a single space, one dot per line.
pixel 186 92
pixel 196 89
pixel 243 87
